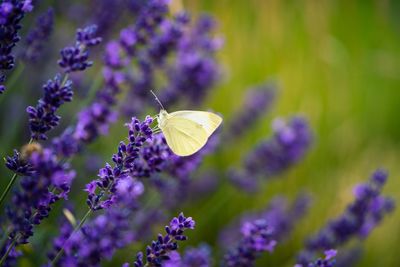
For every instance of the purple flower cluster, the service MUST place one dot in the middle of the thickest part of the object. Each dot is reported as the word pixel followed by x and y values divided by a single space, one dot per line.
pixel 42 118
pixel 193 257
pixel 256 238
pixel 103 192
pixel 257 101
pixel 38 35
pixel 159 250
pixel 11 14
pixel 195 69
pixel 289 143
pixel 95 119
pixel 178 182
pixel 19 165
pixel 328 261
pixel 96 241
pixel 358 220
pixel 75 58
pixel 49 182
pixel 280 216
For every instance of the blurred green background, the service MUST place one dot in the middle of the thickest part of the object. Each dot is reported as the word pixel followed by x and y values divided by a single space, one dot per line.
pixel 338 64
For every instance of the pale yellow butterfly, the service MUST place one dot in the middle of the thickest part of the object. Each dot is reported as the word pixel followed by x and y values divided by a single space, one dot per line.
pixel 187 131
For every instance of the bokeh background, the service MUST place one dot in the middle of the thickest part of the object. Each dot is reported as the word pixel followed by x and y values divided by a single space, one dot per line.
pixel 336 62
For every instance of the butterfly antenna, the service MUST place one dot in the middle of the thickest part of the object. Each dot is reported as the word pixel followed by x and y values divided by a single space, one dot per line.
pixel 158 100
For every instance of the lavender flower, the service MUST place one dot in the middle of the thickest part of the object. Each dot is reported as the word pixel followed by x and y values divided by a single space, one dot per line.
pixel 256 238
pixel 159 250
pixel 280 216
pixel 193 257
pixel 102 192
pixel 12 256
pixel 96 241
pixel 95 119
pixel 75 58
pixel 288 145
pixel 39 35
pixel 18 165
pixel 32 203
pixel 328 261
pixel 358 220
pixel 42 118
pixel 178 181
pixel 11 14
pixel 195 70
pixel 257 101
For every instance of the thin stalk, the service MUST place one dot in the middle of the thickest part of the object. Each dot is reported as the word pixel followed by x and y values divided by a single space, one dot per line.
pixel 10 184
pixel 3 259
pixel 77 228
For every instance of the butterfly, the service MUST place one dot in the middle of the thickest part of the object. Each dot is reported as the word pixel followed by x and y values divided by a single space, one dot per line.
pixel 187 131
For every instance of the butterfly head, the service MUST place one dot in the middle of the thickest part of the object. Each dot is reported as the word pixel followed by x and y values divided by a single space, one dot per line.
pixel 162 118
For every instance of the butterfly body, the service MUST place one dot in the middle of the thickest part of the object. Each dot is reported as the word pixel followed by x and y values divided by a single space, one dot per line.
pixel 187 131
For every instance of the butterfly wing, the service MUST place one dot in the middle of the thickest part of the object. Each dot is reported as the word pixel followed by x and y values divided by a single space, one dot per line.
pixel 208 120
pixel 184 136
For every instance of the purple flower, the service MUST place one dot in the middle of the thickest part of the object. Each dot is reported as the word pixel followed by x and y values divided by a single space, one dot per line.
pixel 193 257
pixel 75 58
pixel 159 250
pixel 42 118
pixel 257 101
pixel 328 261
pixel 11 14
pixel 280 216
pixel 49 182
pixel 19 165
pixel 288 145
pixel 12 256
pixel 106 190
pixel 194 70
pixel 256 238
pixel 38 35
pixel 359 218
pixel 96 241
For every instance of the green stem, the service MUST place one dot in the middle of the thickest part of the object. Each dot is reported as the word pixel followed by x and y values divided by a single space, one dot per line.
pixel 10 184
pixel 3 259
pixel 8 188
pixel 77 228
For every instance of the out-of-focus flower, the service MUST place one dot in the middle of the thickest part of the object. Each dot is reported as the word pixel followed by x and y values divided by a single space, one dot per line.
pixel 288 145
pixel 195 69
pixel 257 101
pixel 328 261
pixel 358 220
pixel 50 181
pixel 279 215
pixel 193 257
pixel 96 241
pixel 38 35
pixel 256 238
pixel 11 14
pixel 159 250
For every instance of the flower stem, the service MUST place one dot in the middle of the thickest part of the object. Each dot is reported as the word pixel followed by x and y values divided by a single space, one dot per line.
pixel 77 228
pixel 8 188
pixel 10 184
pixel 3 259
